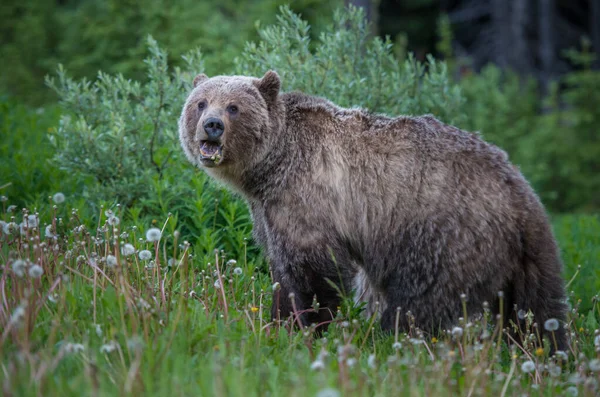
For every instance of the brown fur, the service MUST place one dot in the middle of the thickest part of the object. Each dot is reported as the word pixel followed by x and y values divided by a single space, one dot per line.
pixel 407 210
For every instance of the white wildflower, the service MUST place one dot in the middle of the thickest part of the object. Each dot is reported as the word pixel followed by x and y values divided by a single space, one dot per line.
pixel 49 232
pixel 551 325
pixel 528 366
pixel 371 361
pixel 72 348
pixel 572 391
pixel 397 346
pixel 17 315
pixel 145 255
pixel 135 343
pixel 128 250
pixel 457 332
pixel 328 392
pixel 317 365
pixel 10 228
pixel 36 271
pixel 108 347
pixel 58 198
pixel 111 261
pixel 237 271
pixel 561 355
pixel 32 221
pixel 153 234
pixel 19 266
pixel 554 370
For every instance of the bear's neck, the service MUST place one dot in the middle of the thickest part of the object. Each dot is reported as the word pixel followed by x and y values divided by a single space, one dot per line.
pixel 268 177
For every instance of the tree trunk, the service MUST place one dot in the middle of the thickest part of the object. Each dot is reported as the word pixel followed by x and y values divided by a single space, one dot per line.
pixel 500 25
pixel 595 27
pixel 546 37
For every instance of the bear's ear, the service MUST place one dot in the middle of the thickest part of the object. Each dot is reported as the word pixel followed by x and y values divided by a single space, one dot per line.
pixel 269 86
pixel 200 79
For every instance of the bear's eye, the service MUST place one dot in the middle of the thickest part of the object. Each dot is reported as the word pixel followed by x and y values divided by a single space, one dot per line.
pixel 232 109
pixel 202 105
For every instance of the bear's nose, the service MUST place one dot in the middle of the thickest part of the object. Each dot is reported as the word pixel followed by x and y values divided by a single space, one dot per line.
pixel 214 128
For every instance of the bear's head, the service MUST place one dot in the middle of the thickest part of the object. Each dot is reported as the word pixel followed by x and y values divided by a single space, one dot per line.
pixel 227 121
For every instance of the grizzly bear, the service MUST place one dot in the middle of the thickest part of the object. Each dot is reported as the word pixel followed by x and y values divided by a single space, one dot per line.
pixel 406 212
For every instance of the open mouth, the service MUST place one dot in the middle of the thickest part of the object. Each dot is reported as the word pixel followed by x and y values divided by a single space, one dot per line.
pixel 211 152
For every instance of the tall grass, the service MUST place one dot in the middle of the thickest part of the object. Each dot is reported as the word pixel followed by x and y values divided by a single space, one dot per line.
pixel 95 308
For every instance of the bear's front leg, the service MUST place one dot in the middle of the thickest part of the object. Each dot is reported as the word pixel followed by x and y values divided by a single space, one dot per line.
pixel 291 297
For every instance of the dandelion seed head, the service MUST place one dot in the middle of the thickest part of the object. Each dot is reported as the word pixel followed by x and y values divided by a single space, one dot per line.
pixel 594 365
pixel 32 221
pixel 145 255
pixel 108 347
pixel 17 315
pixel 551 325
pixel 217 284
pixel 49 232
pixel 371 362
pixel 3 199
pixel 317 365
pixel 73 348
pixel 231 262
pixel 276 287
pixel 58 198
pixel 36 271
pixel 11 208
pixel 554 370
pixel 561 355
pixel 153 234
pixel 528 366
pixel 457 332
pixel 98 330
pixel 397 346
pixel 521 314
pixel 128 250
pixel 113 220
pixel 328 392
pixel 19 266
pixel 351 362
pixel 572 391
pixel 111 261
pixel 238 271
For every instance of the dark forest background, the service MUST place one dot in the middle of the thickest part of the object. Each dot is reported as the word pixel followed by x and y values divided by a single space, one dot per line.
pixel 527 70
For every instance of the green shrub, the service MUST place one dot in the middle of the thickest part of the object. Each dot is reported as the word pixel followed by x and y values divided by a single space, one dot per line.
pixel 348 67
pixel 26 175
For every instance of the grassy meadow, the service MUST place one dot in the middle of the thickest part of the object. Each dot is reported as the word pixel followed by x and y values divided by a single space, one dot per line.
pixel 124 271
pixel 102 301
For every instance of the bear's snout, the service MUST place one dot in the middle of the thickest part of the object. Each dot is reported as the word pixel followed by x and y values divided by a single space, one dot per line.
pixel 214 128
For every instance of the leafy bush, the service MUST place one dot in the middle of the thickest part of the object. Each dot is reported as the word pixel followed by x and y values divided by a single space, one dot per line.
pixel 350 68
pixel 26 176
pixel 554 139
